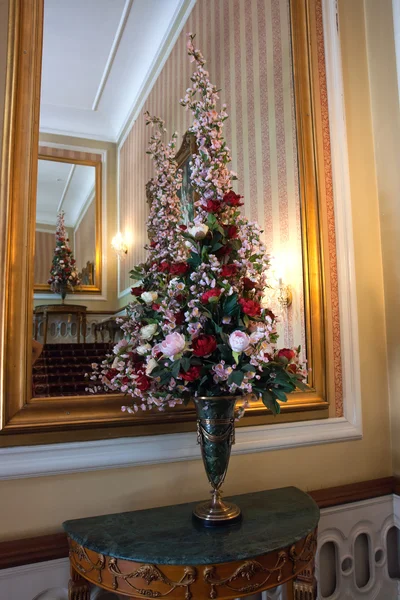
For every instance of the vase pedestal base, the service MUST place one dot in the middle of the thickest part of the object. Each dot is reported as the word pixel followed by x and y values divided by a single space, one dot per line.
pixel 217 512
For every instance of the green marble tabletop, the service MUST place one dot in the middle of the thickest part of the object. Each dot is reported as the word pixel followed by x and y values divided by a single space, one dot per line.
pixel 272 520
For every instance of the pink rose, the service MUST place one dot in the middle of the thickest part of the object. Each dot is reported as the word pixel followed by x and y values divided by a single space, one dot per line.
pixel 173 344
pixel 239 341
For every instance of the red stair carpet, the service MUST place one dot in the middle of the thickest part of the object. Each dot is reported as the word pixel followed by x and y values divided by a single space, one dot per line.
pixel 60 369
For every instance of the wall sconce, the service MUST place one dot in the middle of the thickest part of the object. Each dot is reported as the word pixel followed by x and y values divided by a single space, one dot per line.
pixel 284 294
pixel 280 295
pixel 119 245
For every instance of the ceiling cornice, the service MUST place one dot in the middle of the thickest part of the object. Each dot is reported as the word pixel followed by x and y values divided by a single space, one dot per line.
pixel 181 15
pixel 113 52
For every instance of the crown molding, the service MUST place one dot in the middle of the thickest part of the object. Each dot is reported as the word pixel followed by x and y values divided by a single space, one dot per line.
pixel 181 15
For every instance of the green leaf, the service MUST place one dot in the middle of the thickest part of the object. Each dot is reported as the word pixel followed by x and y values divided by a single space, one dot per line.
pixel 270 402
pixel 217 327
pixel 249 367
pixel 231 305
pixel 236 377
pixel 280 394
pixel 185 362
pixel 194 260
pixel 203 380
pixel 176 367
pixel 236 356
pixel 216 246
pixel 301 385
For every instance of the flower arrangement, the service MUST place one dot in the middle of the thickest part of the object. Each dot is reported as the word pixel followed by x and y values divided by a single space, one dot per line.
pixel 63 273
pixel 197 325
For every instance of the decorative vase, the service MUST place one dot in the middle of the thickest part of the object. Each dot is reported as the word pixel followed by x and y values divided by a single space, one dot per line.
pixel 216 434
pixel 63 291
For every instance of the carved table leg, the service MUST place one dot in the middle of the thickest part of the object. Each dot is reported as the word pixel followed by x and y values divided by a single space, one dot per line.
pixel 78 587
pixel 305 584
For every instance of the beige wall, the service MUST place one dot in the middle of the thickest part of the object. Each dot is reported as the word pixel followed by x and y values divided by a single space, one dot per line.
pixel 36 506
pixel 110 262
pixel 386 122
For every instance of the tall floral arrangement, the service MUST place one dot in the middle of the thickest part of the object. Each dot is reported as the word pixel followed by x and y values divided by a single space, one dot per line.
pixel 197 326
pixel 63 273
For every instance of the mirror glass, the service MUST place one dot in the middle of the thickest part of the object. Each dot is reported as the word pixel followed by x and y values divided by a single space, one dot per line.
pixel 97 63
pixel 69 188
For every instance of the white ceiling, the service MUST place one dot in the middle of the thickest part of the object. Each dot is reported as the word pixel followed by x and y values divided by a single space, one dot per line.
pixel 63 186
pixel 97 56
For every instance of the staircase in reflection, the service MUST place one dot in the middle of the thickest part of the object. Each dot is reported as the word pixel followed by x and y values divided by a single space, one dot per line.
pixel 60 370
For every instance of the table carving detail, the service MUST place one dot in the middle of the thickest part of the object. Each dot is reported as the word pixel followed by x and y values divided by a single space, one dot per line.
pixel 251 568
pixel 150 574
pixel 82 556
pixel 306 554
pixel 247 571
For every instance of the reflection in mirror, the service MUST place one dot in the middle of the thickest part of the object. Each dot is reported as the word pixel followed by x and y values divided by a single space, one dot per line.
pixel 68 188
pixel 88 86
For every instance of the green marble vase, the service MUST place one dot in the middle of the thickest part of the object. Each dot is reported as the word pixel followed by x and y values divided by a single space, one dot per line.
pixel 63 289
pixel 216 434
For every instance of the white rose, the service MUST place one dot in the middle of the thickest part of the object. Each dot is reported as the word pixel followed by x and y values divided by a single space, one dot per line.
pixel 151 365
pixel 147 332
pixel 143 349
pixel 198 232
pixel 149 297
pixel 239 341
pixel 173 344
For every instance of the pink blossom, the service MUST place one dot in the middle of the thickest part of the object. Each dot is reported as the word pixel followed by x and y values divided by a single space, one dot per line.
pixel 173 344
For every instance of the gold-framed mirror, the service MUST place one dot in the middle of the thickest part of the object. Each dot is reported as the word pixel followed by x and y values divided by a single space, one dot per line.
pixel 71 182
pixel 28 419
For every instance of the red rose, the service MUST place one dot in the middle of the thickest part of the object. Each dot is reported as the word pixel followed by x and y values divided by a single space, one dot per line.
pixel 229 271
pixel 191 374
pixel 250 307
pixel 233 199
pixel 136 359
pixel 137 291
pixel 231 232
pixel 142 383
pixel 204 345
pixel 224 251
pixel 179 317
pixel 179 297
pixel 183 227
pixel 292 368
pixel 213 206
pixel 215 293
pixel 125 381
pixel 179 268
pixel 111 374
pixel 286 353
pixel 155 306
pixel 248 284
pixel 163 267
pixel 153 244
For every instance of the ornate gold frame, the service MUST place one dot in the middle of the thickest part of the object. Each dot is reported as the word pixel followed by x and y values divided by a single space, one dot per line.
pixel 24 420
pixel 96 287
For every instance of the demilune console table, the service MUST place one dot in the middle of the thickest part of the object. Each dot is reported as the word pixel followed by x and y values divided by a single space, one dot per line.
pixel 163 553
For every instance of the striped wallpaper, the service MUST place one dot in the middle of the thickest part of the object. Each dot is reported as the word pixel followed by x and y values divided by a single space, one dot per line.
pixel 247 47
pixel 85 238
pixel 44 249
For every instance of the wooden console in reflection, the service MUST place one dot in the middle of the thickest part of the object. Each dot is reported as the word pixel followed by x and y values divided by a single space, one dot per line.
pixel 42 312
